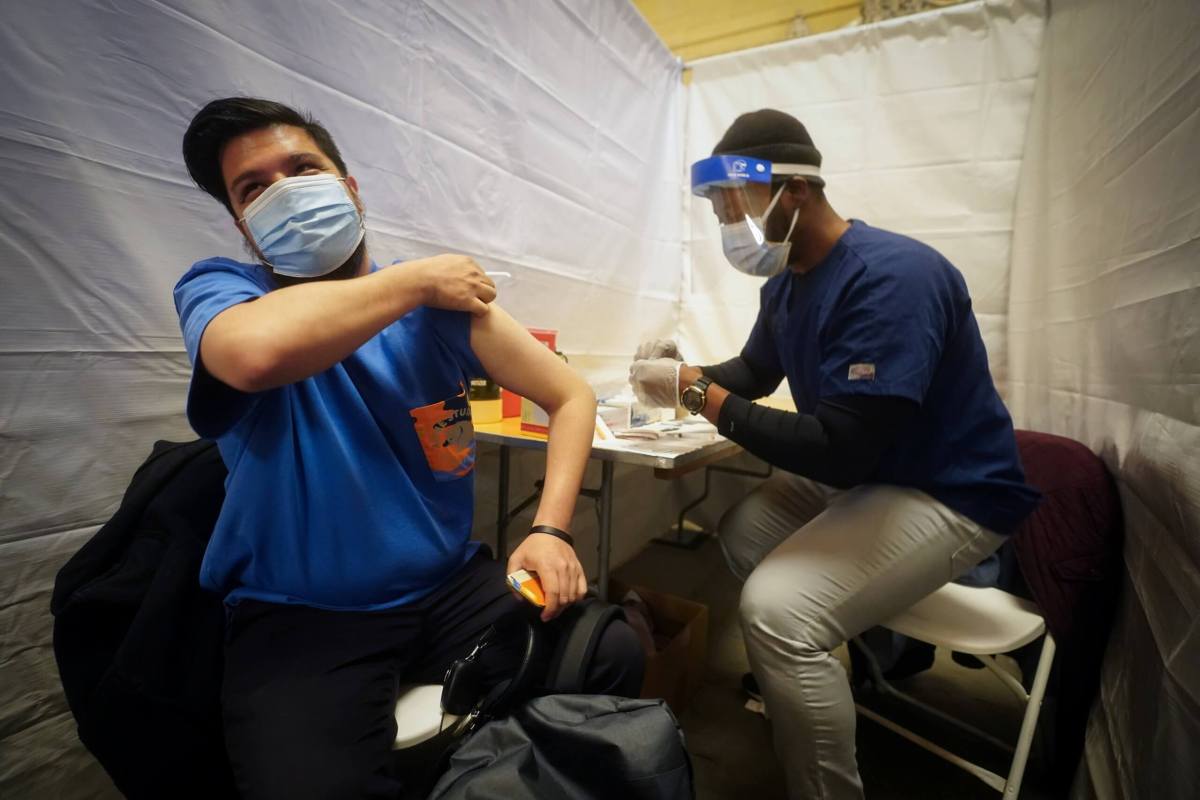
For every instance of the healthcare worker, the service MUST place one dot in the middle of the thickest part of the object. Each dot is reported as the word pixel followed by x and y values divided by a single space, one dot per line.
pixel 337 392
pixel 900 468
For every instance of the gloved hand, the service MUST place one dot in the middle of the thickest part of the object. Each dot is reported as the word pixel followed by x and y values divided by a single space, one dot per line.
pixel 655 381
pixel 657 348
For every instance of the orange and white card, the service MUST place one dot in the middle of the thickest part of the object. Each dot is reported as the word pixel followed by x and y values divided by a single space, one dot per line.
pixel 527 585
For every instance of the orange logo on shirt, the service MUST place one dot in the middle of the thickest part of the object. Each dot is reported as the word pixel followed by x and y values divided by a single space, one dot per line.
pixel 447 436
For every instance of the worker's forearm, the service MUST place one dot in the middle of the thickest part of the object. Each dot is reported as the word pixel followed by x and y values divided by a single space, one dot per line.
pixel 840 444
pixel 292 333
pixel 741 377
pixel 572 426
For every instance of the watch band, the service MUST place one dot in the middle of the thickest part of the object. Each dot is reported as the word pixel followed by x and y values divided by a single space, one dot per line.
pixel 558 533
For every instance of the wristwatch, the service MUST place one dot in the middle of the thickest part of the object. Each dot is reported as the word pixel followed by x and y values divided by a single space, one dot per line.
pixel 695 396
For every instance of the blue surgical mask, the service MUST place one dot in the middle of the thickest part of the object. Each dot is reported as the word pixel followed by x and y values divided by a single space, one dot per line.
pixel 747 249
pixel 305 226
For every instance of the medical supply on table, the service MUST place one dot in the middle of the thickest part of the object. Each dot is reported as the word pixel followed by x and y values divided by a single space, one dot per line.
pixel 484 396
pixel 616 415
pixel 527 586
pixel 602 433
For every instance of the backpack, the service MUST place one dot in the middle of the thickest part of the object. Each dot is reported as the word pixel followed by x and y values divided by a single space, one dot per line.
pixel 514 746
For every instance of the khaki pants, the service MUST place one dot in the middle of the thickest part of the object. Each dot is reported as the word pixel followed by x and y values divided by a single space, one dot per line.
pixel 820 566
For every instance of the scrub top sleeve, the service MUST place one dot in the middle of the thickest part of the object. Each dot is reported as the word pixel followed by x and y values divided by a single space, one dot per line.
pixel 760 349
pixel 212 405
pixel 884 336
pixel 453 329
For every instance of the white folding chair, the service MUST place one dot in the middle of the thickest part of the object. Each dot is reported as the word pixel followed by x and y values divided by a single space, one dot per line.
pixel 984 623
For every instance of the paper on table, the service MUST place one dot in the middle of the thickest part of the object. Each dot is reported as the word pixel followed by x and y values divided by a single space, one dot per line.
pixel 664 439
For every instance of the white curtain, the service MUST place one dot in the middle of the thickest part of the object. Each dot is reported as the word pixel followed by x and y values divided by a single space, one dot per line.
pixel 545 142
pixel 1104 344
pixel 921 122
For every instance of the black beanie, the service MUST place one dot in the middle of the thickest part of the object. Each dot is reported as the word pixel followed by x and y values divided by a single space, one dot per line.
pixel 772 136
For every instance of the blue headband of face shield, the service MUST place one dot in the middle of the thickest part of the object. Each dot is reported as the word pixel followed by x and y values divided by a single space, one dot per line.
pixel 727 172
pixel 724 180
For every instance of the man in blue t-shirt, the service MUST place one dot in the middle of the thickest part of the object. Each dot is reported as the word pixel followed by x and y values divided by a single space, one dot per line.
pixel 900 463
pixel 337 393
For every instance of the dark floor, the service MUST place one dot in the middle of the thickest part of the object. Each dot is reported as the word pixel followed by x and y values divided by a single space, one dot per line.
pixel 731 747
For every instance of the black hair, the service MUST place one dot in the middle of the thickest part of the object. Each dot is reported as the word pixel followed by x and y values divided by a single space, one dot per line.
pixel 772 136
pixel 221 120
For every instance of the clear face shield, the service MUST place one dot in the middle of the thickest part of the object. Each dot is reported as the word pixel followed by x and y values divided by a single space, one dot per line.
pixel 739 189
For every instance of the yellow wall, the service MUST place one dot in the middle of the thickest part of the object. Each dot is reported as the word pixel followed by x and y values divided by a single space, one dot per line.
pixel 697 28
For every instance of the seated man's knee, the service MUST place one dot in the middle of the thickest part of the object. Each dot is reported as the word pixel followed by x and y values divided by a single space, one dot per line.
pixel 774 614
pixel 618 662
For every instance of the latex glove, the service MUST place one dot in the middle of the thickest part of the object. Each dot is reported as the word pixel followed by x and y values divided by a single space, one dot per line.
pixel 655 381
pixel 657 348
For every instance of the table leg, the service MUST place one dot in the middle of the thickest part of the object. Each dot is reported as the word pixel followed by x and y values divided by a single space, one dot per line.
pixel 690 541
pixel 502 507
pixel 605 544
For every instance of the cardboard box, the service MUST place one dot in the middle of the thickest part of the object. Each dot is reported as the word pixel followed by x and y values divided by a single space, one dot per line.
pixel 676 671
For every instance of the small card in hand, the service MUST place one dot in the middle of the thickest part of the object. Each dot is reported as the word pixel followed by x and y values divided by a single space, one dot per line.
pixel 526 585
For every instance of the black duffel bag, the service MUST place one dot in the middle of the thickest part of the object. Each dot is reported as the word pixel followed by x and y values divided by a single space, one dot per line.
pixel 575 746
pixel 565 744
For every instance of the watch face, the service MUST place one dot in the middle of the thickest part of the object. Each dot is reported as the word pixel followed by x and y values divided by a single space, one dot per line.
pixel 693 399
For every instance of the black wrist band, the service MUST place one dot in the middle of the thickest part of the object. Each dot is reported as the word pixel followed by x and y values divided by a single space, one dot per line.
pixel 555 532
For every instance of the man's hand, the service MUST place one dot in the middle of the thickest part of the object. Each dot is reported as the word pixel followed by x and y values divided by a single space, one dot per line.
pixel 557 567
pixel 453 282
pixel 655 382
pixel 657 348
pixel 687 376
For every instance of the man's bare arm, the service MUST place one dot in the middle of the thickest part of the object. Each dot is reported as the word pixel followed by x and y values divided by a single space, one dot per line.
pixel 520 363
pixel 293 333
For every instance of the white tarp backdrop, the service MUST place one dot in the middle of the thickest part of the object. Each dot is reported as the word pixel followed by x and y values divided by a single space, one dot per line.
pixel 551 144
pixel 921 123
pixel 547 144
pixel 1104 346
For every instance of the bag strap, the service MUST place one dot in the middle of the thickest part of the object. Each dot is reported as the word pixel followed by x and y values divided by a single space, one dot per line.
pixel 500 699
pixel 569 665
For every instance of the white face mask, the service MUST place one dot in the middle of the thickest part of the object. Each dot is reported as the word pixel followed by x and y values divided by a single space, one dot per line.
pixel 305 226
pixel 747 249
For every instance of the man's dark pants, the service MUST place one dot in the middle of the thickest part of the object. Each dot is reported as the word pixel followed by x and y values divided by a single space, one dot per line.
pixel 309 694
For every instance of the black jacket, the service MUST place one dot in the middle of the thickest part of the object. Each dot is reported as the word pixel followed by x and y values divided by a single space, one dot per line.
pixel 139 642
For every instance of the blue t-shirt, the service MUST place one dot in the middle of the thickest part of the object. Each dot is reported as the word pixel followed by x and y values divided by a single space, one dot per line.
pixel 351 489
pixel 884 314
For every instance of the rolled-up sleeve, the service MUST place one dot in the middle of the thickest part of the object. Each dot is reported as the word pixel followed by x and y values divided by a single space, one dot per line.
pixel 207 289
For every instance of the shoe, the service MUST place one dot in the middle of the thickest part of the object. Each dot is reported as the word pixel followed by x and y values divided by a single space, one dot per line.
pixel 750 687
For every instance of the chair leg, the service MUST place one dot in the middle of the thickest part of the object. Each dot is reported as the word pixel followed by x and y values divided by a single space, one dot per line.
pixel 883 686
pixel 1016 773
